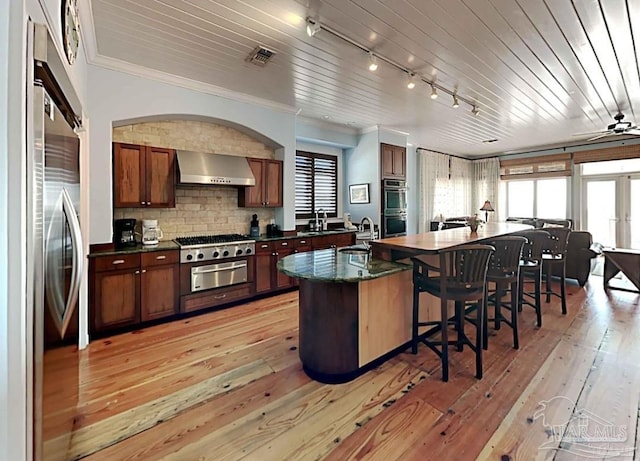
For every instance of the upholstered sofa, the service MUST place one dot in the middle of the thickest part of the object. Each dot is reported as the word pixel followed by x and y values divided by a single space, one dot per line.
pixel 580 248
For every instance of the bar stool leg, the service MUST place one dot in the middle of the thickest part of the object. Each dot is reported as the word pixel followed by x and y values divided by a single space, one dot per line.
pixel 459 322
pixel 445 340
pixel 547 276
pixel 563 290
pixel 480 335
pixel 485 322
pixel 515 301
pixel 416 305
pixel 497 312
pixel 538 288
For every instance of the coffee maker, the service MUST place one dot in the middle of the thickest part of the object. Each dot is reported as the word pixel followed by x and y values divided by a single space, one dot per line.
pixel 151 233
pixel 124 235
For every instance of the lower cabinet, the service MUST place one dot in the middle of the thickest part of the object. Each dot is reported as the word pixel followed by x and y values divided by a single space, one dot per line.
pixel 267 276
pixel 128 289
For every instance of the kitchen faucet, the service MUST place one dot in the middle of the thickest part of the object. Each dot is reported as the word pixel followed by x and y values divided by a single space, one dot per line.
pixel 371 231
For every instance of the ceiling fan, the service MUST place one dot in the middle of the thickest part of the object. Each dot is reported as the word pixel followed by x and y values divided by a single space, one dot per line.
pixel 617 128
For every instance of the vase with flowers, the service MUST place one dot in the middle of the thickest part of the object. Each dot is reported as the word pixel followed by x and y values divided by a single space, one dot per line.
pixel 474 222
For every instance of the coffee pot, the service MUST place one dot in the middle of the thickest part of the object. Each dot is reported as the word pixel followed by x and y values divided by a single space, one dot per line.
pixel 124 235
pixel 151 233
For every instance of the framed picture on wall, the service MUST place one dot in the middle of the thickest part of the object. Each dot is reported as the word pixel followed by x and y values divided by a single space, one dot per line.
pixel 359 193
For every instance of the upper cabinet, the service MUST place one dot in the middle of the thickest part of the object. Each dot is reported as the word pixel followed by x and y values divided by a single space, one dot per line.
pixel 394 159
pixel 143 176
pixel 268 189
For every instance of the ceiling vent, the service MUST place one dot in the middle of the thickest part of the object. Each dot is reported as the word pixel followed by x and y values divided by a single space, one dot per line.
pixel 260 56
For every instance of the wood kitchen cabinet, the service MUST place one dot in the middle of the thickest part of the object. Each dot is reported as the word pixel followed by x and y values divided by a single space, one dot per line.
pixel 125 290
pixel 268 189
pixel 268 277
pixel 143 176
pixel 394 160
pixel 160 285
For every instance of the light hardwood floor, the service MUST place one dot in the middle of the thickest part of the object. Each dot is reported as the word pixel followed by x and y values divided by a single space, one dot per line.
pixel 228 385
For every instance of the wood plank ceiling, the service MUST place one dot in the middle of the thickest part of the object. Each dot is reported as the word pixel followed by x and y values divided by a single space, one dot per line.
pixel 538 70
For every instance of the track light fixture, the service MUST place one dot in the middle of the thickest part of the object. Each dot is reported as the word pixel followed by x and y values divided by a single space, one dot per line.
pixel 411 83
pixel 313 26
pixel 373 62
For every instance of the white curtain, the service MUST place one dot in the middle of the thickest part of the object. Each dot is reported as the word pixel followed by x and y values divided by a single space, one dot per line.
pixel 461 188
pixel 434 181
pixel 487 185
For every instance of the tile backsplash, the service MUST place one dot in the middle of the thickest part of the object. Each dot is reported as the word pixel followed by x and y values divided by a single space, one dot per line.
pixel 199 209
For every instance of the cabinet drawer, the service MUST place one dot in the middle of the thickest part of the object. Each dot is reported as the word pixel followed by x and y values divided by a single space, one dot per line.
pixel 303 244
pixel 212 298
pixel 116 262
pixel 157 258
pixel 283 244
pixel 264 247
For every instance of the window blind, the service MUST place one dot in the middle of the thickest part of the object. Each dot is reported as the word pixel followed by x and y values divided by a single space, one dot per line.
pixel 611 153
pixel 545 166
pixel 316 184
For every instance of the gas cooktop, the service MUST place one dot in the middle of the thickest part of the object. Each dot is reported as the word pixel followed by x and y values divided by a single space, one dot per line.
pixel 199 248
pixel 213 239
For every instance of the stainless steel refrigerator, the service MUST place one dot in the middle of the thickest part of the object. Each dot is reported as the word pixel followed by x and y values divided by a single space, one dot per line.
pixel 54 243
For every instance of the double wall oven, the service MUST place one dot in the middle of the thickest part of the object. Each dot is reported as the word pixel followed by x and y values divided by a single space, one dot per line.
pixel 394 208
pixel 215 269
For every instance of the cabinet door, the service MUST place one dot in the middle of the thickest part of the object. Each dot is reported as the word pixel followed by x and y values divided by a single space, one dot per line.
pixel 252 196
pixel 160 177
pixel 273 183
pixel 159 291
pixel 387 160
pixel 281 280
pixel 116 299
pixel 129 176
pixel 263 263
pixel 399 162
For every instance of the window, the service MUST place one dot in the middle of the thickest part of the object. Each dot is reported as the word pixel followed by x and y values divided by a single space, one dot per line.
pixel 537 198
pixel 316 184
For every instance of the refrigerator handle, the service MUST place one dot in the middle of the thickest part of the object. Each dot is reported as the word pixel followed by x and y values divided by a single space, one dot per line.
pixel 76 272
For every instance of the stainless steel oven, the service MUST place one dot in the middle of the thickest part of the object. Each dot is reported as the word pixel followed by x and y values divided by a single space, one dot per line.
pixel 394 225
pixel 218 275
pixel 394 196
pixel 394 208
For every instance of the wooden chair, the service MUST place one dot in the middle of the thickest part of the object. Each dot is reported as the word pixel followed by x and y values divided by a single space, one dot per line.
pixel 461 278
pixel 555 255
pixel 504 272
pixel 531 270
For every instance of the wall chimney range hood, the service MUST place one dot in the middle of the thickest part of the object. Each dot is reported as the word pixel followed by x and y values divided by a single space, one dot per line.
pixel 217 169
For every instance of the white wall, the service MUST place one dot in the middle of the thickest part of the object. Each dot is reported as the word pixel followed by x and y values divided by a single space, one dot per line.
pixel 363 166
pixel 115 96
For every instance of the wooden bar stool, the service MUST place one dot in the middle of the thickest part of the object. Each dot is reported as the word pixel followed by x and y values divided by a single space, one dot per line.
pixel 504 272
pixel 461 278
pixel 555 255
pixel 531 270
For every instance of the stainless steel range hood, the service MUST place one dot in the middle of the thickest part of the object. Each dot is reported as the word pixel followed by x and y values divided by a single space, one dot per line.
pixel 203 168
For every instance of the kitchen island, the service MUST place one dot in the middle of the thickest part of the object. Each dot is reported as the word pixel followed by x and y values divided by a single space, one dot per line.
pixel 356 309
pixel 353 310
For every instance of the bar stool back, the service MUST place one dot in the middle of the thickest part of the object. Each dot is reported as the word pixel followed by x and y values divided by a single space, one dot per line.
pixel 531 270
pixel 504 272
pixel 461 278
pixel 555 254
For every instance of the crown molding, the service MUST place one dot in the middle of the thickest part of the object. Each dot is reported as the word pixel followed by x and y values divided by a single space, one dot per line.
pixel 163 77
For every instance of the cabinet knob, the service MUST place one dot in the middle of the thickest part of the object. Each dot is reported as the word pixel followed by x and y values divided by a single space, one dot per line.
pixel 144 270
pixel 137 272
pixel 118 261
pixel 161 257
pixel 220 296
pixel 148 203
pixel 143 203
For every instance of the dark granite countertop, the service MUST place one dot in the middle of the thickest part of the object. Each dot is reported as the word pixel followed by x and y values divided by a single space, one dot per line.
pixel 161 246
pixel 332 265
pixel 264 238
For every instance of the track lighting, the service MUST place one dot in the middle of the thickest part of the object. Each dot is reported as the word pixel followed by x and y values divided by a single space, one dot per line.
pixel 313 27
pixel 411 83
pixel 373 62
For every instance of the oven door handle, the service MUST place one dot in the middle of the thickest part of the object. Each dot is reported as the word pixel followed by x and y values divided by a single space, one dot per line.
pixel 197 270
